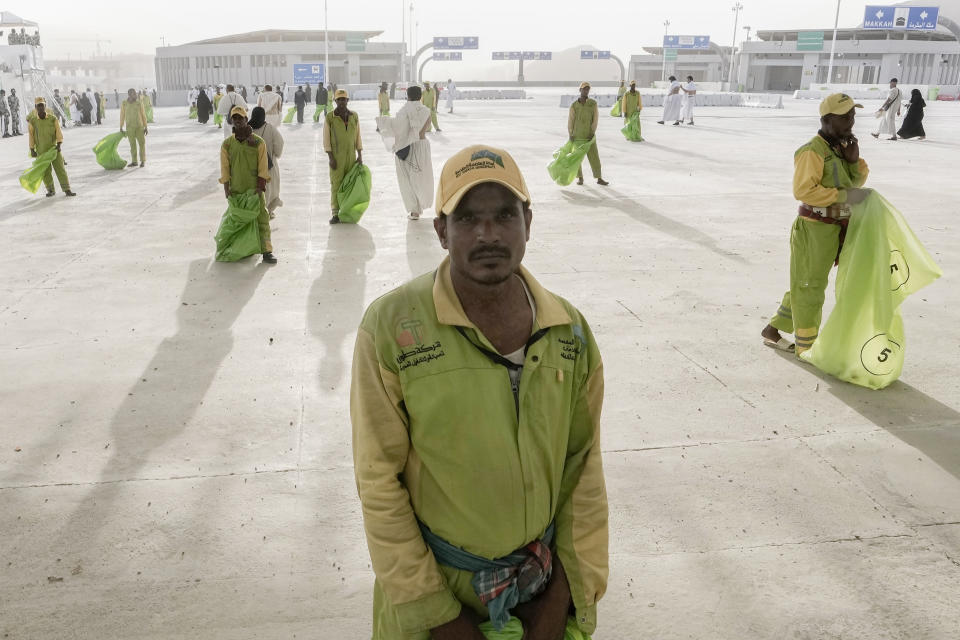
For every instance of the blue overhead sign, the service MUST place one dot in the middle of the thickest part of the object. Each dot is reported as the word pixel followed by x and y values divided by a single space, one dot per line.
pixel 447 55
pixel 538 55
pixel 905 18
pixel 686 42
pixel 587 54
pixel 308 73
pixel 468 42
pixel 507 55
pixel 523 55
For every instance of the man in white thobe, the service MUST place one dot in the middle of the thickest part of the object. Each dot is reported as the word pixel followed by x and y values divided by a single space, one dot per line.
pixel 230 100
pixel 888 112
pixel 272 105
pixel 411 152
pixel 671 103
pixel 451 90
pixel 689 98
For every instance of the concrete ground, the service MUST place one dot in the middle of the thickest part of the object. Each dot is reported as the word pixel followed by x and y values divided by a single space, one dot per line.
pixel 175 440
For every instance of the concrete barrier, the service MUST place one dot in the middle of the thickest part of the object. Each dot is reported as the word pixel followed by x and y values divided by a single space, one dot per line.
pixel 704 99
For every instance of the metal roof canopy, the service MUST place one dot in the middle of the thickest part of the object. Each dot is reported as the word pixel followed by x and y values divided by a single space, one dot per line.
pixel 8 19
pixel 286 35
pixel 790 35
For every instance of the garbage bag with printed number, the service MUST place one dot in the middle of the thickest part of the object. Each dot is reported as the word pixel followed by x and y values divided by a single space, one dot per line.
pixel 106 151
pixel 287 119
pixel 239 235
pixel 514 631
pixel 354 193
pixel 632 131
pixel 881 263
pixel 615 112
pixel 33 177
pixel 567 160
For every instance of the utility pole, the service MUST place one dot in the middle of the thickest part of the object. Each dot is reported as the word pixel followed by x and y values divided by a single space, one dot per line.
pixel 833 45
pixel 737 8
pixel 326 46
pixel 666 31
pixel 403 39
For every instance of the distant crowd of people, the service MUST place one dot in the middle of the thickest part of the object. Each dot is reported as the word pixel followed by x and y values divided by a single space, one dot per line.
pixel 79 107
pixel 22 37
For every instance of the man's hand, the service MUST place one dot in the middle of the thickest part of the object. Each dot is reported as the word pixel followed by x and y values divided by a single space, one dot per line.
pixel 261 184
pixel 226 189
pixel 463 627
pixel 33 153
pixel 145 131
pixel 359 157
pixel 856 196
pixel 545 617
pixel 851 152
pixel 121 129
pixel 333 163
pixel 58 147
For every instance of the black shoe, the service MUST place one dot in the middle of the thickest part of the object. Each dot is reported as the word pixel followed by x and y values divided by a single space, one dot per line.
pixel 6 135
pixel 439 130
pixel 132 164
pixel 677 123
pixel 659 121
pixel 142 163
pixel 69 193
pixel 602 182
pixel 691 123
pixel 50 194
pixel 335 219
pixel 269 258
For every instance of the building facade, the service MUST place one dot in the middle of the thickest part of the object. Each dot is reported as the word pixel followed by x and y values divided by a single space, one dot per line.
pixel 262 57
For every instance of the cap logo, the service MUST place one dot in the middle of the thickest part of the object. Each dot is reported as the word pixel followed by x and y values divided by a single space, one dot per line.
pixel 484 153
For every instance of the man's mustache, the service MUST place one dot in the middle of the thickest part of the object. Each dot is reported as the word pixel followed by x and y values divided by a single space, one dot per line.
pixel 489 252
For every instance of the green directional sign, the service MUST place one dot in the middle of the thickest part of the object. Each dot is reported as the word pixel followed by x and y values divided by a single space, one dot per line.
pixel 810 41
pixel 669 54
pixel 356 43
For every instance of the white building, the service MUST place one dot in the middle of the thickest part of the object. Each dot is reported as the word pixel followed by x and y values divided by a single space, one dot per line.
pixel 262 57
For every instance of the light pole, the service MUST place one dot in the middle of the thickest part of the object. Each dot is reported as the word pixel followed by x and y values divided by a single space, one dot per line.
pixel 403 39
pixel 413 44
pixel 737 8
pixel 326 46
pixel 747 29
pixel 666 31
pixel 833 45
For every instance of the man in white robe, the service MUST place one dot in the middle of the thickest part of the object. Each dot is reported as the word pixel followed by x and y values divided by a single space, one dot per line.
pixel 689 98
pixel 451 91
pixel 272 105
pixel 230 100
pixel 411 151
pixel 672 103
pixel 888 112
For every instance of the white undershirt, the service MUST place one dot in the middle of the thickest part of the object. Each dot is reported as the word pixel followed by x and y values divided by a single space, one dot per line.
pixel 518 356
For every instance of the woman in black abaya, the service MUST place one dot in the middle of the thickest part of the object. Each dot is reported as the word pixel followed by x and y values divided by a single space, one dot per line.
pixel 912 126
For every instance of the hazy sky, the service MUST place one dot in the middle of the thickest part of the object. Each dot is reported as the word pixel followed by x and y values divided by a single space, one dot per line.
pixel 623 27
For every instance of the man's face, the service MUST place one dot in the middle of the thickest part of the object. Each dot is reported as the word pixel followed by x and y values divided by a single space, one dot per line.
pixel 893 84
pixel 584 92
pixel 840 126
pixel 42 110
pixel 238 120
pixel 131 95
pixel 342 103
pixel 487 234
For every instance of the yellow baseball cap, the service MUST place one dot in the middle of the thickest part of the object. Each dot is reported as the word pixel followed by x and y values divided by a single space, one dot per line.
pixel 40 100
pixel 238 109
pixel 341 93
pixel 838 104
pixel 584 84
pixel 472 166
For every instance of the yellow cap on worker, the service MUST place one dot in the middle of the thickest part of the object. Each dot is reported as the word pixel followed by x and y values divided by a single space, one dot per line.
pixel 838 104
pixel 340 93
pixel 39 100
pixel 472 166
pixel 633 83
pixel 584 84
pixel 238 109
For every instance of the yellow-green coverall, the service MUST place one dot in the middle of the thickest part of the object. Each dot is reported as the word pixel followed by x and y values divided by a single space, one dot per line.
pixel 582 125
pixel 383 101
pixel 429 99
pixel 134 118
pixel 342 139
pixel 45 133
pixel 241 163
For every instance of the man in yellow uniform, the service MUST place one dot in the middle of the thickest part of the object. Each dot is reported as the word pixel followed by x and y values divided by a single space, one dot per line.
pixel 475 405
pixel 828 174
pixel 429 100
pixel 623 89
pixel 632 103
pixel 341 141
pixel 582 126
pixel 383 101
pixel 134 118
pixel 45 133
pixel 243 167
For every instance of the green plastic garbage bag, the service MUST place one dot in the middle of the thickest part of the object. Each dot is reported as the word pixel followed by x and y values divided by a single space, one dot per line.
pixel 66 111
pixel 514 631
pixel 882 262
pixel 218 119
pixel 632 131
pixel 615 112
pixel 148 111
pixel 106 151
pixel 318 112
pixel 238 235
pixel 567 160
pixel 354 193
pixel 193 113
pixel 287 119
pixel 32 178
